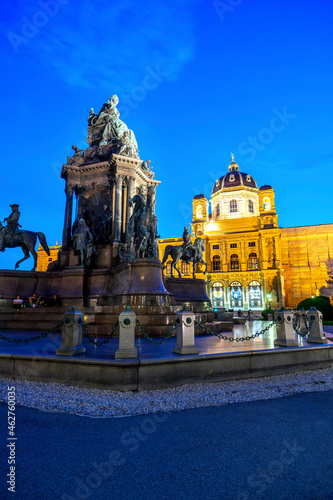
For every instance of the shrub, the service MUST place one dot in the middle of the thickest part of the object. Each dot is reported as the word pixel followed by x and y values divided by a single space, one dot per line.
pixel 319 303
pixel 266 312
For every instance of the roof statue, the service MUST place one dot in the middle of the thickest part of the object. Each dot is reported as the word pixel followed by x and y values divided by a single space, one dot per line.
pixel 232 157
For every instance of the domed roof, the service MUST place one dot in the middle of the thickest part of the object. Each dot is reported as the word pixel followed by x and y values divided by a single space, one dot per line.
pixel 198 196
pixel 262 188
pixel 234 179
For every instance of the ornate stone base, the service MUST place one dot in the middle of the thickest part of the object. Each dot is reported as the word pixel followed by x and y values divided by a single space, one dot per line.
pixel 189 292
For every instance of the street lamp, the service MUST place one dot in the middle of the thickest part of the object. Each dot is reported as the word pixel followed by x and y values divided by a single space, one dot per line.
pixel 269 298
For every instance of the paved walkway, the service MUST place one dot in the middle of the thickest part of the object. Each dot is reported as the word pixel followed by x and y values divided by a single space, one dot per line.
pixel 274 449
pixel 208 344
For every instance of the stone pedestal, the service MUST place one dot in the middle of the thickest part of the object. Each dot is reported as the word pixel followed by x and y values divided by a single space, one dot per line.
pixel 185 334
pixel 315 319
pixel 127 349
pixel 71 341
pixel 285 330
pixel 189 292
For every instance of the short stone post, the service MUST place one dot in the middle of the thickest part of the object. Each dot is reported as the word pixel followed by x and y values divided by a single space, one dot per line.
pixel 302 320
pixel 284 327
pixel 315 319
pixel 71 341
pixel 185 333
pixel 127 349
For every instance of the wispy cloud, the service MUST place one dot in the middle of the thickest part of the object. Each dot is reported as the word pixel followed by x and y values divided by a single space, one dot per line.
pixel 96 45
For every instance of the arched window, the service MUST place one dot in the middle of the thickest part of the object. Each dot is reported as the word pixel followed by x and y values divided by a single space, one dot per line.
pixel 185 267
pixel 251 208
pixel 217 294
pixel 216 263
pixel 234 264
pixel 218 210
pixel 253 261
pixel 233 206
pixel 266 203
pixel 168 268
pixel 199 212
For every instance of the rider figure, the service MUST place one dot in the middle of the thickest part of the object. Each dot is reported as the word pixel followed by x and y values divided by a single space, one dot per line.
pixel 187 245
pixel 12 225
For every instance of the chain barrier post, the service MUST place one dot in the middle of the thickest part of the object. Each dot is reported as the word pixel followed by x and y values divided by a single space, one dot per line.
pixel 316 334
pixel 302 321
pixel 71 338
pixel 127 322
pixel 284 328
pixel 185 333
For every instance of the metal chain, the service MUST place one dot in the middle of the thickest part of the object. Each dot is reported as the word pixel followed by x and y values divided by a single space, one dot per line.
pixel 146 336
pixel 32 339
pixel 96 342
pixel 307 324
pixel 237 339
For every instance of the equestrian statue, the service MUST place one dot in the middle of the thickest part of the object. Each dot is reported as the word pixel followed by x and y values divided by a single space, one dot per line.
pixel 186 252
pixel 142 227
pixel 11 236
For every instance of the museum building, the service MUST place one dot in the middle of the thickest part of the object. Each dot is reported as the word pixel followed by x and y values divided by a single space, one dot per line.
pixel 252 262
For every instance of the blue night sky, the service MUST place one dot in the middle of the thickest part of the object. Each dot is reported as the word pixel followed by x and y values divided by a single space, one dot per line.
pixel 195 79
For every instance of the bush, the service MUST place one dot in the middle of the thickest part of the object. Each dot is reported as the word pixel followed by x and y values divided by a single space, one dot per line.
pixel 319 303
pixel 325 298
pixel 266 312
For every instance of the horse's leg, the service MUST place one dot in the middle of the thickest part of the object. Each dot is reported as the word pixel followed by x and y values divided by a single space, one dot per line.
pixel 34 254
pixel 26 256
pixel 174 263
pixel 203 262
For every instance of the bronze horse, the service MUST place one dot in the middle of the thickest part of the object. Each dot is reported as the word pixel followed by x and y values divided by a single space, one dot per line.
pixel 27 241
pixel 179 252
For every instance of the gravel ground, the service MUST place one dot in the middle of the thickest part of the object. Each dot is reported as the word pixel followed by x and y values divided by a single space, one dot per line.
pixel 99 403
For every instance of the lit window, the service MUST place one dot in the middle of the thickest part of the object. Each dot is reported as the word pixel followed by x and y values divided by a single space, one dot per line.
pixel 253 261
pixel 185 267
pixel 266 203
pixel 217 211
pixel 251 208
pixel 252 243
pixel 234 264
pixel 199 213
pixel 168 268
pixel 233 206
pixel 233 245
pixel 216 263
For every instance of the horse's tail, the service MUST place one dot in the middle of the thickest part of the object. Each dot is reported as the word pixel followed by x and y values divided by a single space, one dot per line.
pixel 42 240
pixel 167 252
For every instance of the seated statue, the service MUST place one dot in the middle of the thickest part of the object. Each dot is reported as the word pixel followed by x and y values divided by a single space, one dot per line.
pixel 106 127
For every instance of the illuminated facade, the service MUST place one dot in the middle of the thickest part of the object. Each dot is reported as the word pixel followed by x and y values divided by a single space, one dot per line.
pixel 43 259
pixel 251 261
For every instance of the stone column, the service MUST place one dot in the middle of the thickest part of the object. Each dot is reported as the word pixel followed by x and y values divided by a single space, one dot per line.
pixel 127 322
pixel 185 334
pixel 124 213
pixel 71 340
pixel 66 236
pixel 118 208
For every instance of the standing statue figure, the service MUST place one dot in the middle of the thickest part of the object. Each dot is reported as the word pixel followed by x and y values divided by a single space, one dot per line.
pixel 83 243
pixel 132 230
pixel 102 230
pixel 12 225
pixel 189 249
pixel 107 128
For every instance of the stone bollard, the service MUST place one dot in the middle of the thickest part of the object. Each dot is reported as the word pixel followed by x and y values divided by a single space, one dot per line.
pixel 302 321
pixel 71 340
pixel 185 333
pixel 284 327
pixel 127 349
pixel 315 319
